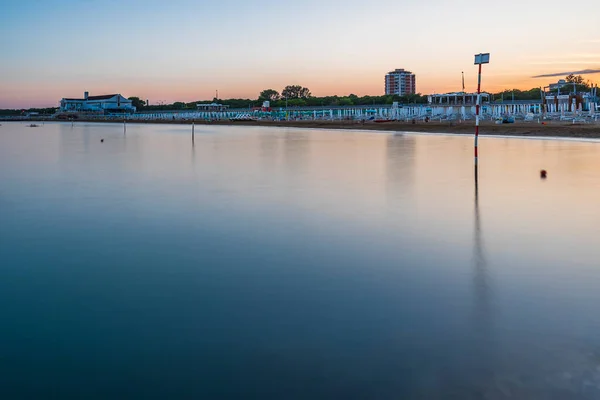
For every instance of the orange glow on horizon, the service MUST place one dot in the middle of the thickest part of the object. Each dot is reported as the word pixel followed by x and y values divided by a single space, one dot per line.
pixel 169 92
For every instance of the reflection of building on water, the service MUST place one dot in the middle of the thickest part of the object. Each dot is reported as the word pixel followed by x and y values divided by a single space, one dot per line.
pixel 296 150
pixel 400 163
pixel 84 138
pixel 269 151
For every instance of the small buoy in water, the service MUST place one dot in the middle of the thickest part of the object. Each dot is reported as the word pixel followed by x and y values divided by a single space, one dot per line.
pixel 543 173
pixel 101 140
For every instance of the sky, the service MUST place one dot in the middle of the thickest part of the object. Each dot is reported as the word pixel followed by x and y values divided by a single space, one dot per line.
pixel 180 50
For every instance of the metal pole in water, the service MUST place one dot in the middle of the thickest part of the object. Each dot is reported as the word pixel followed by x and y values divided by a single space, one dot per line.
pixel 477 106
pixel 481 58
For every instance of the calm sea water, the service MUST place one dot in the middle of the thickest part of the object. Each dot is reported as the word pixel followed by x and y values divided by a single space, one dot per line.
pixel 296 264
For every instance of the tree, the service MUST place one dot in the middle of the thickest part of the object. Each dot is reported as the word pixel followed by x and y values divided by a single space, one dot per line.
pixel 577 79
pixel 295 92
pixel 137 102
pixel 269 95
pixel 508 95
pixel 297 103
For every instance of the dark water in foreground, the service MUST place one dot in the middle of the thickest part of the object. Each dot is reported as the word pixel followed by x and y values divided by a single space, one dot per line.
pixel 296 264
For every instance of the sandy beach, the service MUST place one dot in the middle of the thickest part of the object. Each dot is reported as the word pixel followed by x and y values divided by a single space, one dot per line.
pixel 589 130
pixel 548 129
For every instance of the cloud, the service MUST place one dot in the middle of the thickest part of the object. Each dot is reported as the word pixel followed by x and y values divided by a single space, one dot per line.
pixel 581 72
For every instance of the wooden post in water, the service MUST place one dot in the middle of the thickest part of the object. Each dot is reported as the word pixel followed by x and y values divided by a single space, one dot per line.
pixel 193 123
pixel 124 125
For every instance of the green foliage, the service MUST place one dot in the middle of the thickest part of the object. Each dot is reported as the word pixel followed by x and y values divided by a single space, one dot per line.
pixel 569 88
pixel 41 111
pixel 575 79
pixel 178 105
pixel 44 111
pixel 345 101
pixel 269 95
pixel 240 103
pixel 507 95
pixel 295 92
pixel 232 103
pixel 298 96
pixel 297 102
pixel 137 102
pixel 574 84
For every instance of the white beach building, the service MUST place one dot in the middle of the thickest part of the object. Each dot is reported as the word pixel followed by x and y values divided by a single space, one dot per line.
pixel 212 107
pixel 108 103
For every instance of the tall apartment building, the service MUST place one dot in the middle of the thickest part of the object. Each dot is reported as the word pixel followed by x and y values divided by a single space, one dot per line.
pixel 400 82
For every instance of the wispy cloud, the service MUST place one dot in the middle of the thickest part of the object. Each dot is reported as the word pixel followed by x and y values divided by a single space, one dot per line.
pixel 580 72
pixel 564 56
pixel 563 63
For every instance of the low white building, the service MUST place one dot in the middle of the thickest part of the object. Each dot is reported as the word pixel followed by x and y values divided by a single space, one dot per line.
pixel 211 107
pixel 457 98
pixel 108 103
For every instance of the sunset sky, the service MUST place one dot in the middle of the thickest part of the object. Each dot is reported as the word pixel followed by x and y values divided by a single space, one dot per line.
pixel 185 50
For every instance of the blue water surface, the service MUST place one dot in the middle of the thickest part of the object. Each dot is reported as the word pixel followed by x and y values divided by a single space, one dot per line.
pixel 295 264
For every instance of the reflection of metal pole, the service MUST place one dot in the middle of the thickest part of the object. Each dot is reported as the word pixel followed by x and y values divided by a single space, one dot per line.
pixel 476 192
pixel 483 348
pixel 480 277
pixel 478 243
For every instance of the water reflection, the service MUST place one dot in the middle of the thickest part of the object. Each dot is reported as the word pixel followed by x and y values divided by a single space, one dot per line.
pixel 400 168
pixel 331 263
pixel 481 278
pixel 296 151
pixel 483 344
pixel 269 150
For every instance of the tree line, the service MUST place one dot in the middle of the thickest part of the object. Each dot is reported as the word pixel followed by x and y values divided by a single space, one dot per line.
pixel 290 96
pixel 21 111
pixel 573 83
pixel 299 96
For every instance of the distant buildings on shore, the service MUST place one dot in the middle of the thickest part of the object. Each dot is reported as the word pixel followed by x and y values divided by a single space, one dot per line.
pixel 212 107
pixel 107 103
pixel 558 85
pixel 457 98
pixel 400 82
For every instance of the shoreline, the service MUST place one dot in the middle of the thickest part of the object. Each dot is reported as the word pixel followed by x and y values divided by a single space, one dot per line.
pixel 487 128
